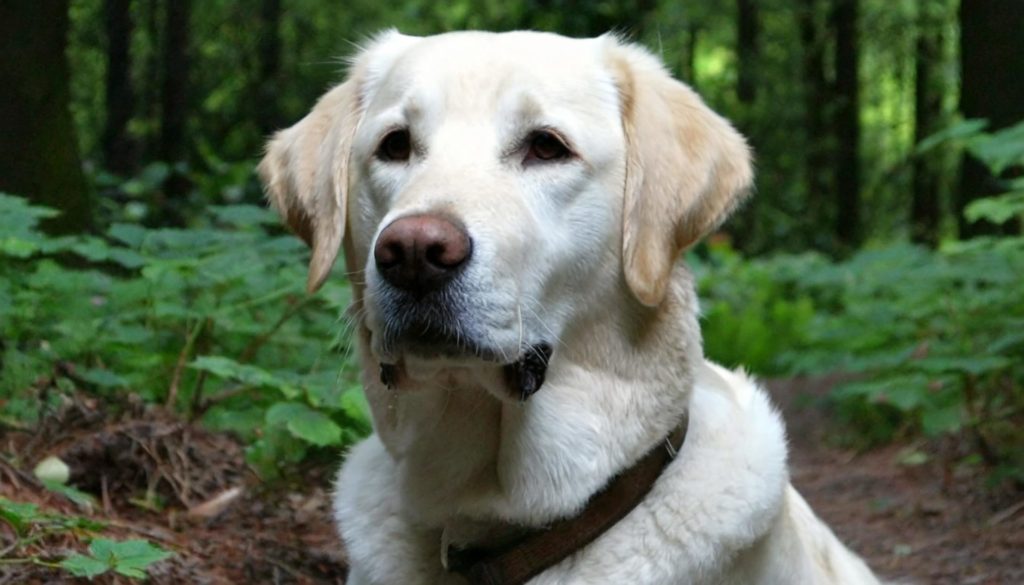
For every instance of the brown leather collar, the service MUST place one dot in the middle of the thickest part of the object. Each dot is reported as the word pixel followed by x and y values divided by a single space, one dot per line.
pixel 543 548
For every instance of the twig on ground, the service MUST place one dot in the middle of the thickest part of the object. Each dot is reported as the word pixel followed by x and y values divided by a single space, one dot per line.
pixel 1005 514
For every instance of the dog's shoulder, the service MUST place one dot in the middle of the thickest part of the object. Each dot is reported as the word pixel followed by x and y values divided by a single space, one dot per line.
pixel 723 492
pixel 727 402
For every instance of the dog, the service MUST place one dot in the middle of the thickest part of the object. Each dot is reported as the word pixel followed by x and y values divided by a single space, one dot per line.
pixel 512 207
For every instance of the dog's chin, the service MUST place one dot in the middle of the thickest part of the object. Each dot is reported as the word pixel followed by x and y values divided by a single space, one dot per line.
pixel 415 360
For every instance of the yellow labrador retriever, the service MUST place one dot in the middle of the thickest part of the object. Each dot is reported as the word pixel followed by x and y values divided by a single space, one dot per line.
pixel 512 207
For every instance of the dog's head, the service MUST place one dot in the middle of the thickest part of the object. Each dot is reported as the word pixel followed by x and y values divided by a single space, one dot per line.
pixel 487 186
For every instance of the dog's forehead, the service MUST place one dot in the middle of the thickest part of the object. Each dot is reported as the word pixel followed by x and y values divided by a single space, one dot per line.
pixel 482 68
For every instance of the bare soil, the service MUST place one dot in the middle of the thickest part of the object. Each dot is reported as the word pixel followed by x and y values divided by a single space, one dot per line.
pixel 927 522
pixel 189 490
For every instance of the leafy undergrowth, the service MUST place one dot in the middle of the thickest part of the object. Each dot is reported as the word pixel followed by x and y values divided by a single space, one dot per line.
pixel 211 322
pixel 930 341
pixel 149 495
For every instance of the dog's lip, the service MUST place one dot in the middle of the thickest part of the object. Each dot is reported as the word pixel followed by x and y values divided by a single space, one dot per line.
pixel 524 376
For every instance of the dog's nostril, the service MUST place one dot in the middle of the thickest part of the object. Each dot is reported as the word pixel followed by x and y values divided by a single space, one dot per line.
pixel 389 255
pixel 435 254
pixel 445 255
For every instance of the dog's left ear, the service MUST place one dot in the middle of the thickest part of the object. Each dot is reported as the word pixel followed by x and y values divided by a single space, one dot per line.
pixel 687 168
pixel 305 172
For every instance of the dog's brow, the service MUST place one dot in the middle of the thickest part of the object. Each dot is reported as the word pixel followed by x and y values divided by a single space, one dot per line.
pixel 412 110
pixel 529 107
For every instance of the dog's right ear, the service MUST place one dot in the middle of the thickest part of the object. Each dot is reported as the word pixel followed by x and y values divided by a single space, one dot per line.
pixel 305 172
pixel 687 168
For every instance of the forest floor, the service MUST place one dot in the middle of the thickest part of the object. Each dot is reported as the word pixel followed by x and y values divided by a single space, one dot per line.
pixel 928 523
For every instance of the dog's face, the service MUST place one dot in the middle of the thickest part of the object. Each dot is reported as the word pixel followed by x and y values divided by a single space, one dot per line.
pixel 483 193
pixel 488 185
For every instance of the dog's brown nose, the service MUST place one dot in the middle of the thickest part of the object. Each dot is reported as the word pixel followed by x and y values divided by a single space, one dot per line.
pixel 419 253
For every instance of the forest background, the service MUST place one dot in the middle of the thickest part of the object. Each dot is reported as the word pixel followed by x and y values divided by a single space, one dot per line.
pixel 883 248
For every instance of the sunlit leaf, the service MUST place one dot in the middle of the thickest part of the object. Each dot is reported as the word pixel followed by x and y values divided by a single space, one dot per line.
pixel 305 423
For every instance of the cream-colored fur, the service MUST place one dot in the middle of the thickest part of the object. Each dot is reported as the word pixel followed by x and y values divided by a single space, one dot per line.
pixel 578 253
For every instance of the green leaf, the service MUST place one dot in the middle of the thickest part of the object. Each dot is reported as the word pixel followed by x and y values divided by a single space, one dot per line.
pixel 128 233
pixel 904 392
pixel 92 248
pixel 355 406
pixel 17 247
pixel 228 368
pixel 244 215
pixel 961 130
pixel 103 378
pixel 19 514
pixel 83 500
pixel 84 566
pixel 130 558
pixel 972 364
pixel 938 421
pixel 1000 150
pixel 999 210
pixel 305 423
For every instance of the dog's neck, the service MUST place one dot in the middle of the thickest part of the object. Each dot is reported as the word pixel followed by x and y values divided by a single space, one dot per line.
pixel 615 386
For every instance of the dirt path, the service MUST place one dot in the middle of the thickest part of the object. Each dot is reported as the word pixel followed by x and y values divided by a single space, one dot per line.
pixel 930 523
pixel 926 524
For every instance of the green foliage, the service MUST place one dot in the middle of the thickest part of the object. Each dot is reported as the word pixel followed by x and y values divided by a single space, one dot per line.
pixel 32 525
pixel 931 334
pixel 212 320
pixel 130 558
pixel 748 312
pixel 999 209
pixel 933 340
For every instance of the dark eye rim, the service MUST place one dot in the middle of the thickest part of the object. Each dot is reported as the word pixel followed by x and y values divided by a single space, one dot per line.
pixel 565 152
pixel 382 152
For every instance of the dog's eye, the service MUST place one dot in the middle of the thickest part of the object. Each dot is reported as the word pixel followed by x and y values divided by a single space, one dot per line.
pixel 546 146
pixel 396 146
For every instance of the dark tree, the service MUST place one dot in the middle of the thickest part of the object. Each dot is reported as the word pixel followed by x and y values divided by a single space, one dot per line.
pixel 38 148
pixel 926 205
pixel 119 149
pixel 174 104
pixel 150 90
pixel 175 81
pixel 847 123
pixel 992 87
pixel 748 32
pixel 267 113
pixel 817 142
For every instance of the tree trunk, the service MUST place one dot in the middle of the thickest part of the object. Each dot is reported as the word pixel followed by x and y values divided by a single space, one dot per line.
pixel 38 148
pixel 175 81
pixel 847 123
pixel 748 32
pixel 151 87
pixel 926 205
pixel 992 87
pixel 268 116
pixel 817 142
pixel 119 149
pixel 174 111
